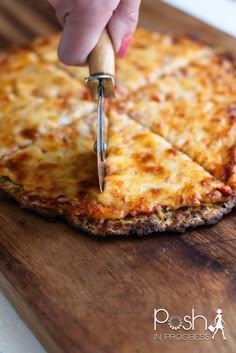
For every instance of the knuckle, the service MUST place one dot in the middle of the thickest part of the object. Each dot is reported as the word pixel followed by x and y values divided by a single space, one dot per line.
pixel 131 17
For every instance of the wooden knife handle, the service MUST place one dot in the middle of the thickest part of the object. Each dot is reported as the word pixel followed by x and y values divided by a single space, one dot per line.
pixel 101 60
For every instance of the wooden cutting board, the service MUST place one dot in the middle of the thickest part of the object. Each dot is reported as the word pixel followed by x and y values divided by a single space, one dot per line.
pixel 82 295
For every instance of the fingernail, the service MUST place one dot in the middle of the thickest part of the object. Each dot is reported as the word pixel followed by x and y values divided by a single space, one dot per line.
pixel 124 46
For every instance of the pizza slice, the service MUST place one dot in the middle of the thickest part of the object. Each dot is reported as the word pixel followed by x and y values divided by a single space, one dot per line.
pixel 210 78
pixel 23 73
pixel 23 120
pixel 204 131
pixel 149 185
pixel 152 55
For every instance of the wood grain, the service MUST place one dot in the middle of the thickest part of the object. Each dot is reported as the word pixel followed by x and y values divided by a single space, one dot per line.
pixel 102 57
pixel 82 295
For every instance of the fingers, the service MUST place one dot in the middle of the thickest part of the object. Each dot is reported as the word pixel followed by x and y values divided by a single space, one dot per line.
pixel 83 26
pixel 79 37
pixel 123 24
pixel 83 23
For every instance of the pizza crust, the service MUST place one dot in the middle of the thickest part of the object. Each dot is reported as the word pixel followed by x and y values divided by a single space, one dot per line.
pixel 170 221
pixel 174 221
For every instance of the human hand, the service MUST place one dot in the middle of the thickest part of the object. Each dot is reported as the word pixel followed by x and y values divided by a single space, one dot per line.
pixel 83 22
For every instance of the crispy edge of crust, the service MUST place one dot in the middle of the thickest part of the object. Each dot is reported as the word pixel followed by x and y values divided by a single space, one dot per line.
pixel 172 221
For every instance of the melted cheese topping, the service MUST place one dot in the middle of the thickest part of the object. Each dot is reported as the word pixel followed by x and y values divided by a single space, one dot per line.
pixel 204 131
pixel 24 74
pixel 151 55
pixel 23 120
pixel 46 47
pixel 208 79
pixel 144 172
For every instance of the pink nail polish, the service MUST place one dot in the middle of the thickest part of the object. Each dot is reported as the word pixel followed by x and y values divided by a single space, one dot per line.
pixel 124 46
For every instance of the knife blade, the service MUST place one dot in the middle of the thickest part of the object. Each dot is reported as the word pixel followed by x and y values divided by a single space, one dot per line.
pixel 101 84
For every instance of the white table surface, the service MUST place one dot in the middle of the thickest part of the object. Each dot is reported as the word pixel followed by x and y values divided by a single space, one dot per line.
pixel 15 337
pixel 218 13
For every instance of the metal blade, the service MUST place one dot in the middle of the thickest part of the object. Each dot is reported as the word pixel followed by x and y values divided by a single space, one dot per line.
pixel 101 86
pixel 100 145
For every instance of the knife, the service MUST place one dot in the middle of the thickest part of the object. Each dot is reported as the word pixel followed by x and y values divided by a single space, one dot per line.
pixel 101 83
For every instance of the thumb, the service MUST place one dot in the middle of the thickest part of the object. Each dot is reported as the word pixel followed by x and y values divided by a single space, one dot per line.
pixel 123 24
pixel 82 30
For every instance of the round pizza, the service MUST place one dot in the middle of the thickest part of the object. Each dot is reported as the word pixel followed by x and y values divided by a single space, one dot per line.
pixel 171 137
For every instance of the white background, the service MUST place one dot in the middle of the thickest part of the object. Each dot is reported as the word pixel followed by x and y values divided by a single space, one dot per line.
pixel 218 13
pixel 15 337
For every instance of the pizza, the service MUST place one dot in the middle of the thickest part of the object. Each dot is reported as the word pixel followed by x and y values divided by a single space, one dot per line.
pixel 171 156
